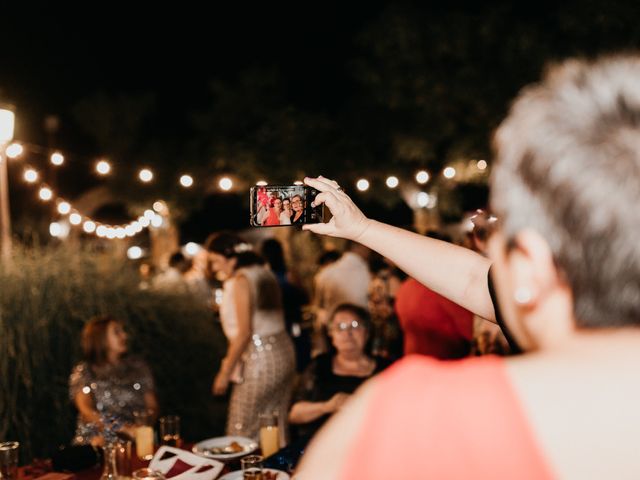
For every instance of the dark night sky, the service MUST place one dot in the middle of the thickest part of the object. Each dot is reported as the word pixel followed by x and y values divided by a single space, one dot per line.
pixel 55 60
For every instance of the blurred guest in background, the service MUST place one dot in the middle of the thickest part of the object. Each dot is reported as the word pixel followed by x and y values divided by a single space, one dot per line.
pixel 332 377
pixel 108 383
pixel 260 359
pixel 293 299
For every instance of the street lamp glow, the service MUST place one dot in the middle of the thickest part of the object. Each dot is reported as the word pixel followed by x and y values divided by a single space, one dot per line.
pixel 7 122
pixel 75 219
pixel 422 177
pixel 261 183
pixel 392 182
pixel 145 175
pixel 225 184
pixel 89 226
pixel 45 194
pixel 134 253
pixel 186 181
pixel 449 172
pixel 57 159
pixel 192 248
pixel 298 182
pixel 64 208
pixel 55 229
pixel 30 175
pixel 103 167
pixel 362 185
pixel 482 165
pixel 14 150
pixel 423 199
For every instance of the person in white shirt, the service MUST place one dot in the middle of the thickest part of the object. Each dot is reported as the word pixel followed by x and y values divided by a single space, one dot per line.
pixel 345 281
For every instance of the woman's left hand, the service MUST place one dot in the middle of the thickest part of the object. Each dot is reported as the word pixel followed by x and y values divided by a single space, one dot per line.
pixel 220 384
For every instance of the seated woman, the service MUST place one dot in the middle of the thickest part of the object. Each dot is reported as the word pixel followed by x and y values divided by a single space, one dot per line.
pixel 565 261
pixel 108 382
pixel 331 377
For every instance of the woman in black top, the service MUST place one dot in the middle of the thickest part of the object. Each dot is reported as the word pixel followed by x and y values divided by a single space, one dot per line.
pixel 332 377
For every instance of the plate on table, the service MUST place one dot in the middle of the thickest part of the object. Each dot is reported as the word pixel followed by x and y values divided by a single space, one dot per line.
pixel 177 464
pixel 237 475
pixel 225 448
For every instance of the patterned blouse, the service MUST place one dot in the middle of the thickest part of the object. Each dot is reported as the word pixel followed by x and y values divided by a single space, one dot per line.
pixel 116 390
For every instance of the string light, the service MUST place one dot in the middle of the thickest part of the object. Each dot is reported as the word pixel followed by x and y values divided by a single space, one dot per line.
pixel 89 226
pixel 75 219
pixel 192 248
pixel 159 206
pixel 150 218
pixel 157 221
pixel 362 185
pixel 392 182
pixel 55 229
pixel 103 167
pixel 30 175
pixel 186 181
pixel 134 253
pixel 57 159
pixel 423 199
pixel 225 184
pixel 145 175
pixel 45 194
pixel 64 208
pixel 422 177
pixel 14 150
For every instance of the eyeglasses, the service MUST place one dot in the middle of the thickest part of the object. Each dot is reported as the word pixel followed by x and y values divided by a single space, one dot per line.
pixel 344 326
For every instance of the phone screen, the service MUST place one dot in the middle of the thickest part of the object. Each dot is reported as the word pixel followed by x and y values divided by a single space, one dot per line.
pixel 284 205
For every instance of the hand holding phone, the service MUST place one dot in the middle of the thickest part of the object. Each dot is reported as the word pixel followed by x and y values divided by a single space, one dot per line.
pixel 347 219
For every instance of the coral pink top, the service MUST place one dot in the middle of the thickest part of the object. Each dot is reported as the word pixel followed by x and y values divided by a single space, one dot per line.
pixel 445 420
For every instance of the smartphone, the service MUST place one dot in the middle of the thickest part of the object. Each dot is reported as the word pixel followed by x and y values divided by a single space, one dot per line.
pixel 284 205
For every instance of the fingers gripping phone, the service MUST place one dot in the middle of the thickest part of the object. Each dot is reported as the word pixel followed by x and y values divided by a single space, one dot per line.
pixel 284 205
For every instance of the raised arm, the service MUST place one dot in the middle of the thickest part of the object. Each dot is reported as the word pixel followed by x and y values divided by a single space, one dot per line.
pixel 454 272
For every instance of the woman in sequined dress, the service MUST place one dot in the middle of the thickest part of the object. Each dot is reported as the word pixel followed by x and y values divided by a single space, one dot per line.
pixel 108 383
pixel 260 359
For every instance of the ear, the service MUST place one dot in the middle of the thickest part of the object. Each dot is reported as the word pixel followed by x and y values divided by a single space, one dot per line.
pixel 533 270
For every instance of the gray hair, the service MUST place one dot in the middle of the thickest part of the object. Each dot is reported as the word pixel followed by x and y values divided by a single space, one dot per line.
pixel 568 166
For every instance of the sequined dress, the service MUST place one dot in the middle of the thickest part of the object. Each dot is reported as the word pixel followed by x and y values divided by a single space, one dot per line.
pixel 116 390
pixel 263 379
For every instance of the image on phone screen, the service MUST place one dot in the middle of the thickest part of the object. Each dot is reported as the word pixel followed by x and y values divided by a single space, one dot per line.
pixel 284 205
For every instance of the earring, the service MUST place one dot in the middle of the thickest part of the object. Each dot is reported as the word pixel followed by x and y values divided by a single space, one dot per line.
pixel 523 296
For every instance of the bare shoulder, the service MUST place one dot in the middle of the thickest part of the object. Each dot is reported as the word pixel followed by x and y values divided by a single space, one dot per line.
pixel 335 438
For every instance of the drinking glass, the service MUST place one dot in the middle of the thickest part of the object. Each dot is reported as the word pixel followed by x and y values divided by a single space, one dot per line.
pixel 170 431
pixel 148 474
pixel 269 433
pixel 144 434
pixel 252 467
pixel 9 460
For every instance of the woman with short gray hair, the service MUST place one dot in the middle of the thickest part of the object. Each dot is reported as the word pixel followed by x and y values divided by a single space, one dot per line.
pixel 565 261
